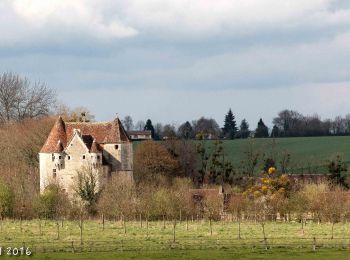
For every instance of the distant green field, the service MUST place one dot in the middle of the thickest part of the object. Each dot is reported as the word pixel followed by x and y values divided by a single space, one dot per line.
pixel 308 154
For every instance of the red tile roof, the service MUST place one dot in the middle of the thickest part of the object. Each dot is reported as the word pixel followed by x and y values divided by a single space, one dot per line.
pixel 58 133
pixel 102 133
pixel 59 147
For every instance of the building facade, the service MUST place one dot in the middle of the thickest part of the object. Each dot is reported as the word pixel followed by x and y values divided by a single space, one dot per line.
pixel 140 135
pixel 102 147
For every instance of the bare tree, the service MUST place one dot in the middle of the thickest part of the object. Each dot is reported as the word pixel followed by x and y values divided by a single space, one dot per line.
pixel 140 125
pixel 86 186
pixel 162 203
pixel 77 114
pixel 128 123
pixel 20 99
pixel 334 207
pixel 120 194
pixel 145 202
pixel 213 207
pixel 237 206
pixel 179 206
pixel 206 128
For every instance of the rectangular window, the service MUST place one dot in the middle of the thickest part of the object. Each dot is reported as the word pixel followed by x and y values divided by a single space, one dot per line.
pixel 60 157
pixel 116 147
pixel 68 157
pixel 98 157
pixel 83 157
pixel 54 173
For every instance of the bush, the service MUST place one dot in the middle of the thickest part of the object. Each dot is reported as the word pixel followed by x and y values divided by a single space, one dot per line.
pixel 6 201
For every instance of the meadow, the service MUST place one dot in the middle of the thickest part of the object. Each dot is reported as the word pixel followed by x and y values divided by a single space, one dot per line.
pixel 303 150
pixel 192 240
pixel 307 154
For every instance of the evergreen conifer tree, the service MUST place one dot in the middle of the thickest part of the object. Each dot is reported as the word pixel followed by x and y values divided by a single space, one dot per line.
pixel 261 130
pixel 244 129
pixel 275 131
pixel 149 127
pixel 230 129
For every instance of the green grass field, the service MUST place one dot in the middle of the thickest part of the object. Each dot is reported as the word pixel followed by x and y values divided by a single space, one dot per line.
pixel 304 151
pixel 308 154
pixel 277 254
pixel 283 240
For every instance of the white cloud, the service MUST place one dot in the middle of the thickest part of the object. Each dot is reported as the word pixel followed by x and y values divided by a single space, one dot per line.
pixel 208 54
pixel 110 19
pixel 229 16
pixel 23 21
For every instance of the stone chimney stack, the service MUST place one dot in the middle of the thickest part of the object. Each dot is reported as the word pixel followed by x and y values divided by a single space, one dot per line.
pixel 83 117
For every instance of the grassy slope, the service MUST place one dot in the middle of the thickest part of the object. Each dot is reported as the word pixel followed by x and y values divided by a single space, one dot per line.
pixel 306 152
pixel 302 149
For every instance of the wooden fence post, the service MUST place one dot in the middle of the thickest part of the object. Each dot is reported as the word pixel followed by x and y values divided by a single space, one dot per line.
pixel 72 246
pixel 314 244
pixel 265 242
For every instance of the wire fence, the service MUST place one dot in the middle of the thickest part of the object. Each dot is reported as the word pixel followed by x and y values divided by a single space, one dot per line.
pixel 75 246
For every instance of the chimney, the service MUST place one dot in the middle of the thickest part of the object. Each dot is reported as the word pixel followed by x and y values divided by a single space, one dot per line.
pixel 83 117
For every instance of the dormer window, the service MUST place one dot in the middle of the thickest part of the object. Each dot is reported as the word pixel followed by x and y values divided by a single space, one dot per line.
pixel 116 147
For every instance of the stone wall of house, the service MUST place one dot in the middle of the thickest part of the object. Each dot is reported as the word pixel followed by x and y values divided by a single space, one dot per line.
pixel 118 156
pixel 127 157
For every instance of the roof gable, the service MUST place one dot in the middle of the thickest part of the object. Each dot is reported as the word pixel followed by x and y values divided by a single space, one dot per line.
pixel 76 139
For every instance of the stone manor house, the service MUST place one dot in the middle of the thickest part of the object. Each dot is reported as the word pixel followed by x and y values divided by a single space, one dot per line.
pixel 102 147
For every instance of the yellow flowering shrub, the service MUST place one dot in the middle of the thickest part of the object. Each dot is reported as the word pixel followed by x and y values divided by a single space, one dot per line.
pixel 271 170
pixel 269 184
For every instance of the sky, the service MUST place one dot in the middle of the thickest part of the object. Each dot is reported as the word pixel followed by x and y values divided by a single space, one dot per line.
pixel 178 60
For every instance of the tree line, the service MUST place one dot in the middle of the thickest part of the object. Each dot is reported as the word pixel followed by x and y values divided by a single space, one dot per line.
pixel 21 99
pixel 288 123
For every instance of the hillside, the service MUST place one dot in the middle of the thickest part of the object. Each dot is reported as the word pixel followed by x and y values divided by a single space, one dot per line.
pixel 307 154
